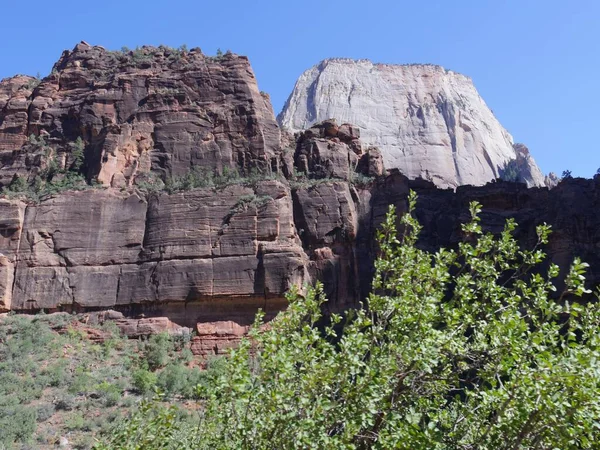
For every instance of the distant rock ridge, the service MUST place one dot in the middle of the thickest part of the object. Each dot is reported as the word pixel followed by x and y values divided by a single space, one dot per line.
pixel 429 122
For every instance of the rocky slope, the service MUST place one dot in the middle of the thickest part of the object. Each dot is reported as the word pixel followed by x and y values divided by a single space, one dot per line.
pixel 245 213
pixel 428 122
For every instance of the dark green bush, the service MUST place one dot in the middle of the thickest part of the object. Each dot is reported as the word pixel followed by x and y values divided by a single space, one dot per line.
pixel 144 381
pixel 45 411
pixel 17 424
pixel 156 350
pixel 109 393
pixel 510 171
pixel 77 154
pixel 176 379
pixel 65 402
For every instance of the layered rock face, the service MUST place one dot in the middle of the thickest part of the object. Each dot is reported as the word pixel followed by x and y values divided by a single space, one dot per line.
pixel 152 109
pixel 571 208
pixel 304 208
pixel 429 122
pixel 105 248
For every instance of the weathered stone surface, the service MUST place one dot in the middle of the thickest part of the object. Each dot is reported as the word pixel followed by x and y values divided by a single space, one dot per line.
pixel 214 338
pixel 94 286
pixel 7 273
pixel 325 214
pixel 38 288
pixel 11 227
pixel 91 227
pixel 153 109
pixel 148 326
pixel 327 221
pixel 106 248
pixel 428 122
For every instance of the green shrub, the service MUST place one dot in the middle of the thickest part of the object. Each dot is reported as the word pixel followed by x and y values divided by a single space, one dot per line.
pixel 156 350
pixel 82 382
pixel 360 180
pixel 32 84
pixel 17 423
pixel 109 393
pixel 55 374
pixel 172 379
pixel 250 200
pixel 460 349
pixel 176 379
pixel 510 171
pixel 77 154
pixel 151 427
pixel 65 402
pixel 76 421
pixel 144 381
pixel 45 411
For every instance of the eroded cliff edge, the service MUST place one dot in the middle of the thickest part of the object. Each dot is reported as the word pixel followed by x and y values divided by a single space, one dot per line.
pixel 300 208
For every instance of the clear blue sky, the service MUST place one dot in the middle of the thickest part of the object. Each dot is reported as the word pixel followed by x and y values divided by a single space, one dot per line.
pixel 535 62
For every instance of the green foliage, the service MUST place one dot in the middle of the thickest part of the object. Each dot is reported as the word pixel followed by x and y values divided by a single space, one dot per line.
pixel 32 84
pixel 109 393
pixel 144 381
pixel 360 180
pixel 510 171
pixel 45 411
pixel 77 153
pixel 37 141
pixel 152 427
pixel 460 349
pixel 65 402
pixel 156 350
pixel 566 174
pixel 197 177
pixel 17 423
pixel 202 177
pixel 301 180
pixel 142 57
pixel 54 381
pixel 250 200
pixel 51 179
pixel 40 188
pixel 150 183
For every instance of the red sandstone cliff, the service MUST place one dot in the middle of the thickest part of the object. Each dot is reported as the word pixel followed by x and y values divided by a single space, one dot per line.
pixel 209 257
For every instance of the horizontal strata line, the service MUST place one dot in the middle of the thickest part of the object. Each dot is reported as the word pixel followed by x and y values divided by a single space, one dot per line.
pixel 152 261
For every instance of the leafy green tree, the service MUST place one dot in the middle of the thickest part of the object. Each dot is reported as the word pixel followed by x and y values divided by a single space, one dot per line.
pixel 77 152
pixel 144 381
pixel 156 350
pixel 510 171
pixel 464 349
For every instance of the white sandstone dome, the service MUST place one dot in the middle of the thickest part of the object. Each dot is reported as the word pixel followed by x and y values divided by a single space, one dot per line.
pixel 428 122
